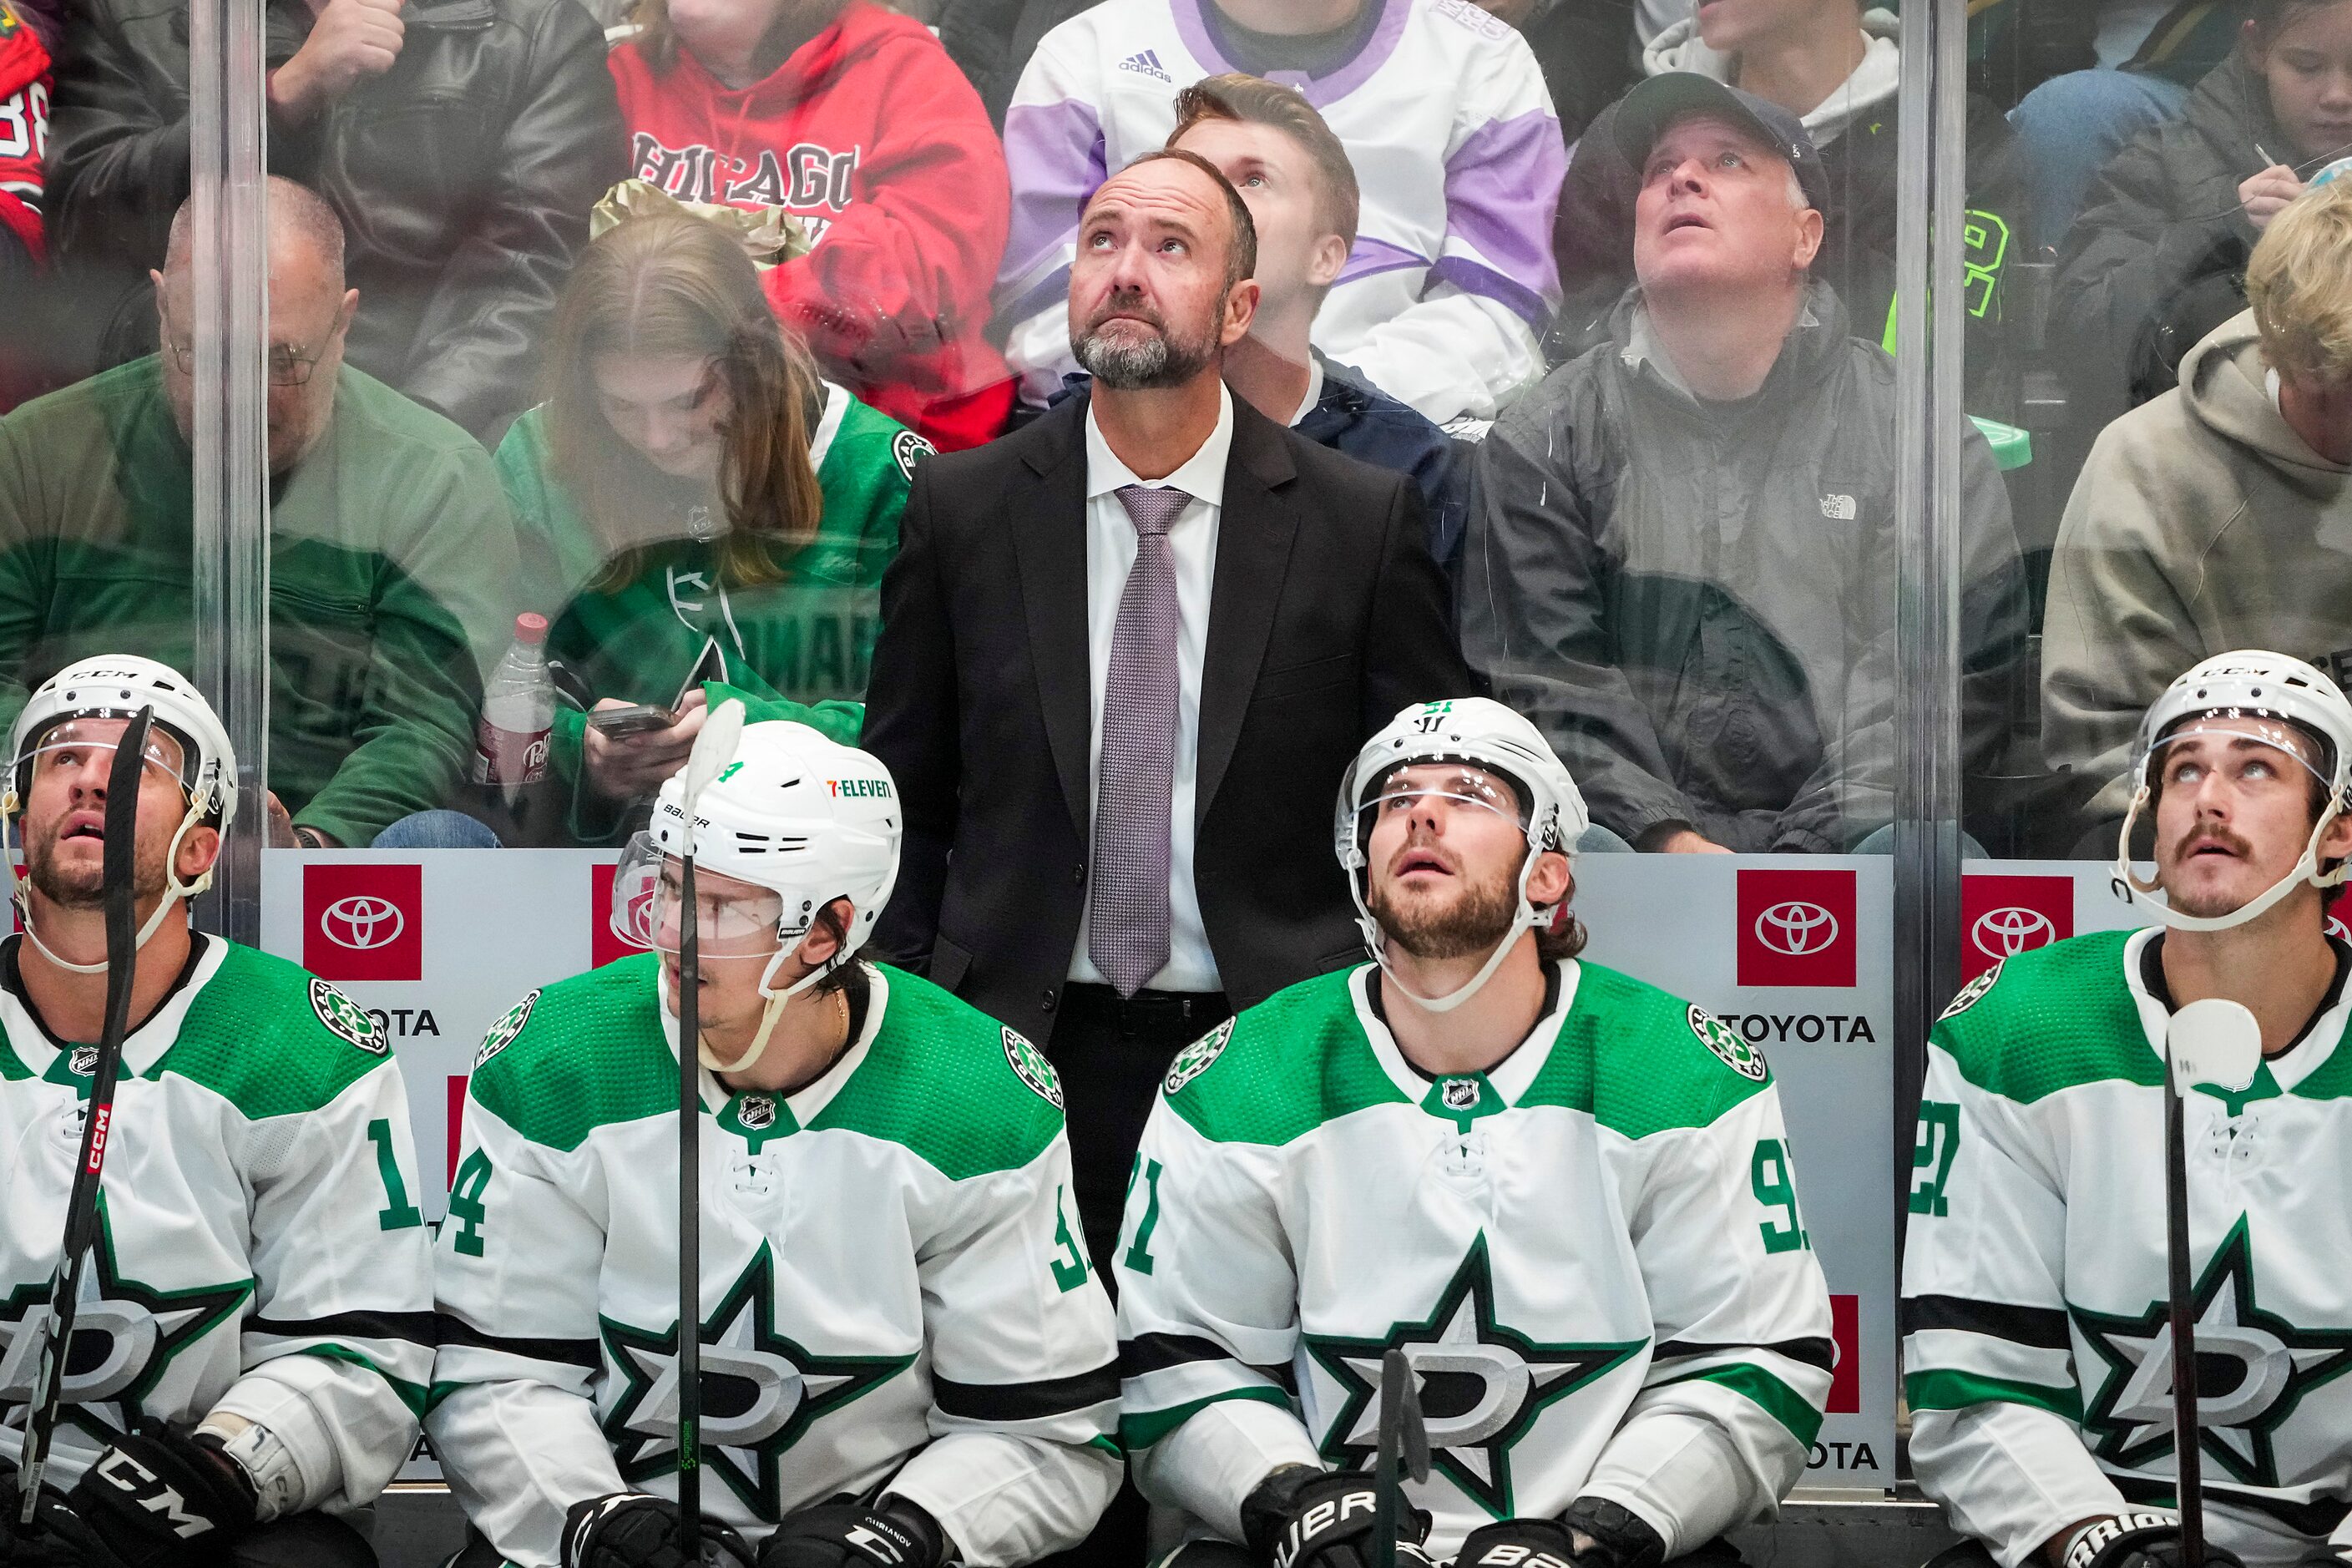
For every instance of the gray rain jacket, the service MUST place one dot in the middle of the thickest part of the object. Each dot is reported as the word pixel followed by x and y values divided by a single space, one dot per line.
pixel 1695 601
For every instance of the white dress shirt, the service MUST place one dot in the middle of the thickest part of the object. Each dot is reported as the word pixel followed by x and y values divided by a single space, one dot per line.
pixel 1110 555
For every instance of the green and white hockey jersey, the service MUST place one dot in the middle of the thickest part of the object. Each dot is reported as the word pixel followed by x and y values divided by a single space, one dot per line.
pixel 2036 1352
pixel 893 1287
pixel 259 1251
pixel 1591 1256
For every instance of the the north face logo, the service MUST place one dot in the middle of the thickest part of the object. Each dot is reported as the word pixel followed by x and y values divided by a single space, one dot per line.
pixel 1840 509
pixel 1146 64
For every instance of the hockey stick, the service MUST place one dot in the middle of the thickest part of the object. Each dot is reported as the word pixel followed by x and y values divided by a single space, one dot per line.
pixel 1403 1438
pixel 2214 1041
pixel 714 748
pixel 117 865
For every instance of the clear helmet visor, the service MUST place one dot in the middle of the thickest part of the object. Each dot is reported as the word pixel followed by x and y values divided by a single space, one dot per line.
pixel 2238 743
pixel 1443 786
pixel 733 919
pixel 87 746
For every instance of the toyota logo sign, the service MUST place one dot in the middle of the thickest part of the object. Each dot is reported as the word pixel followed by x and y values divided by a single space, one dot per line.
pixel 362 923
pixel 1796 928
pixel 2337 930
pixel 2007 932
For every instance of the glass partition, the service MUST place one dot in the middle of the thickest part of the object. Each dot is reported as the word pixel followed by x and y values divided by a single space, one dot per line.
pixel 603 346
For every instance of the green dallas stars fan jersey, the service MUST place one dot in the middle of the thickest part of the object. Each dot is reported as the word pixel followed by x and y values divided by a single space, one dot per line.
pixel 1591 1256
pixel 893 1289
pixel 260 1251
pixel 2036 1352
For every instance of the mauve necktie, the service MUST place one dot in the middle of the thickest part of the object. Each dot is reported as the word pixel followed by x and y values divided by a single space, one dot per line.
pixel 1127 935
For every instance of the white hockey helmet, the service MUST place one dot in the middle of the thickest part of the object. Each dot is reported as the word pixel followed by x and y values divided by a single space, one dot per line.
pixel 116 686
pixel 802 816
pixel 1484 735
pixel 2254 694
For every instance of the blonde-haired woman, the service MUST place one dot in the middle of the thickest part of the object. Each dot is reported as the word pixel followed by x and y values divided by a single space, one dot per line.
pixel 690 478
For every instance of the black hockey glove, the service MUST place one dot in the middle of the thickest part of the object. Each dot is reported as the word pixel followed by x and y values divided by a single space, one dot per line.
pixel 1518 1543
pixel 894 1534
pixel 2138 1541
pixel 158 1499
pixel 636 1530
pixel 1621 1538
pixel 1300 1517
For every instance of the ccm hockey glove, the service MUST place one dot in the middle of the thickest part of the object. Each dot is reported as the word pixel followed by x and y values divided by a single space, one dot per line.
pixel 161 1499
pixel 894 1534
pixel 1300 1517
pixel 2137 1541
pixel 636 1530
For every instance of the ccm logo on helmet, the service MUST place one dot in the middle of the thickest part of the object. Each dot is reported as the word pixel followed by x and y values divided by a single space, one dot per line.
pixel 878 789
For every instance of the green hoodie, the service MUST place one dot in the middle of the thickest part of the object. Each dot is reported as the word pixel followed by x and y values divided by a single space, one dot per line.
pixel 795 648
pixel 391 557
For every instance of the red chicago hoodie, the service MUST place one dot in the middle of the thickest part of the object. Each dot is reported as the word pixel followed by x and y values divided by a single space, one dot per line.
pixel 24 129
pixel 871 136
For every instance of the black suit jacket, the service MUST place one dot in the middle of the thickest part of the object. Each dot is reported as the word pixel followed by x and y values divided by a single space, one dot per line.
pixel 1325 617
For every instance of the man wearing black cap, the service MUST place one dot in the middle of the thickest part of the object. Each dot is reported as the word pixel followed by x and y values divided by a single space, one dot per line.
pixel 1833 65
pixel 1682 566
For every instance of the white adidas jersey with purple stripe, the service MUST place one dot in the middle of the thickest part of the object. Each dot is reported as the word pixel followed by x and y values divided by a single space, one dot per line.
pixel 1445 116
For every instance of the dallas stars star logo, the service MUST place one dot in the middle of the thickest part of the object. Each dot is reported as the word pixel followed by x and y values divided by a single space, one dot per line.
pixel 126 1335
pixel 760 1391
pixel 2253 1369
pixel 1482 1385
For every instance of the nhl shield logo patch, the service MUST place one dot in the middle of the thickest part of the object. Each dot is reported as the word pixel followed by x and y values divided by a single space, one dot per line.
pixel 757 1113
pixel 347 1019
pixel 83 1062
pixel 1034 1070
pixel 1730 1044
pixel 1458 1093
pixel 1195 1059
pixel 503 1032
pixel 1970 994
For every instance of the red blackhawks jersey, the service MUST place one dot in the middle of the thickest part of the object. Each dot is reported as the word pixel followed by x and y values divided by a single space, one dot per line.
pixel 872 138
pixel 24 129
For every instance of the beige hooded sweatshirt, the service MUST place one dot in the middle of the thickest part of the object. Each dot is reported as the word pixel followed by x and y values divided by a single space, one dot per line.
pixel 2201 523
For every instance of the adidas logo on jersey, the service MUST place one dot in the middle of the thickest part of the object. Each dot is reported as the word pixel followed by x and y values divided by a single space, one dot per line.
pixel 1147 63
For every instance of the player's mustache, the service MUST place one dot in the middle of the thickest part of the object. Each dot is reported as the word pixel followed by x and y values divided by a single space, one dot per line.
pixel 2222 836
pixel 1128 302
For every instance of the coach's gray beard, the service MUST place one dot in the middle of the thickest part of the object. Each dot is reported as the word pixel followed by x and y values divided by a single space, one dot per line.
pixel 1152 365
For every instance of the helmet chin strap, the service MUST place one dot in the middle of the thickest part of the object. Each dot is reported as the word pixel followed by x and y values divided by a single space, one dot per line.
pixel 173 892
pixel 2306 869
pixel 1527 918
pixel 768 1015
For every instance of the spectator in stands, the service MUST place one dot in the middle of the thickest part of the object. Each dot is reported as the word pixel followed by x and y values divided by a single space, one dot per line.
pixel 853 120
pixel 991 40
pixel 1586 48
pixel 391 551
pixel 2158 257
pixel 1301 189
pixel 2098 75
pixel 1441 108
pixel 1834 67
pixel 461 142
pixel 690 479
pixel 2218 515
pixel 1679 566
pixel 23 136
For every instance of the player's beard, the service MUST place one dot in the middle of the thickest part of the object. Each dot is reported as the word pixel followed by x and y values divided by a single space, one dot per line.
pixel 84 887
pixel 1128 364
pixel 1472 924
pixel 2210 905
